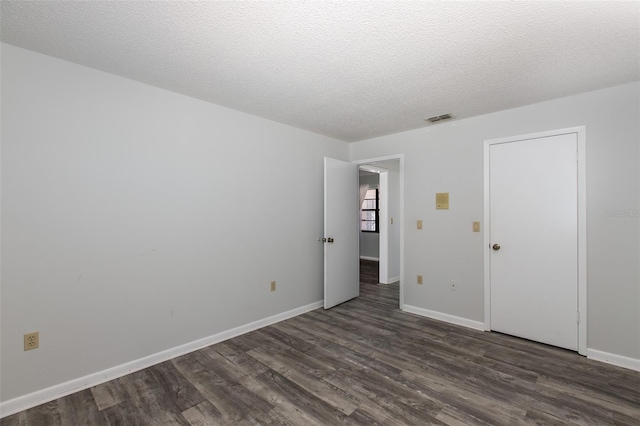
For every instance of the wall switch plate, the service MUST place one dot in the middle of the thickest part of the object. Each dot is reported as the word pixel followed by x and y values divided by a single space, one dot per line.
pixel 419 279
pixel 476 226
pixel 419 225
pixel 453 286
pixel 273 286
pixel 31 341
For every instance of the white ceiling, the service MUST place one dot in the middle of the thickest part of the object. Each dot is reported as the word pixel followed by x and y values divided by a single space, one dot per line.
pixel 350 70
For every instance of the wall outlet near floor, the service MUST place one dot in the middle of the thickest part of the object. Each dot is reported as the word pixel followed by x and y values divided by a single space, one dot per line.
pixel 419 224
pixel 453 286
pixel 31 341
pixel 273 286
pixel 419 279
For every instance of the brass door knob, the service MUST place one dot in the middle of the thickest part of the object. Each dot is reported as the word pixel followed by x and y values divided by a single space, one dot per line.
pixel 496 247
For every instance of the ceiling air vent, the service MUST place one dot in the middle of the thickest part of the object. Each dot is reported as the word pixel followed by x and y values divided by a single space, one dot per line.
pixel 437 118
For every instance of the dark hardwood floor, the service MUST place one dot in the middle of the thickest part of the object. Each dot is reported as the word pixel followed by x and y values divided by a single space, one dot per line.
pixel 363 362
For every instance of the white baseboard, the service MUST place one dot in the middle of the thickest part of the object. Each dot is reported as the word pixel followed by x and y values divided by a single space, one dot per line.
pixel 25 402
pixel 377 259
pixel 465 322
pixel 613 359
pixel 596 355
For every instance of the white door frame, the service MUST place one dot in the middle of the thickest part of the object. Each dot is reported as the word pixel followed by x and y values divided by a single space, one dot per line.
pixel 400 158
pixel 582 226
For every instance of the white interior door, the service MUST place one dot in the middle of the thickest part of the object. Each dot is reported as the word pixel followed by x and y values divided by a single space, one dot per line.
pixel 534 238
pixel 341 232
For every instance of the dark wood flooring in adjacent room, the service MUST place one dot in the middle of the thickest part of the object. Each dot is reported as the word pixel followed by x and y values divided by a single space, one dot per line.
pixel 363 362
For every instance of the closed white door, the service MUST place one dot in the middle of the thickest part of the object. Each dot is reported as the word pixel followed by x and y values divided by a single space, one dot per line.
pixel 534 239
pixel 341 232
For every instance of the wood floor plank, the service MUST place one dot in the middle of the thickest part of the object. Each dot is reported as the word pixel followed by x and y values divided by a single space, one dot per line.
pixel 108 394
pixel 126 413
pixel 370 402
pixel 180 391
pixel 315 409
pixel 45 414
pixel 363 362
pixel 220 382
pixel 203 414
pixel 463 417
pixel 535 417
pixel 285 411
pixel 80 408
pixel 361 417
pixel 334 396
pixel 614 403
pixel 239 357
pixel 150 399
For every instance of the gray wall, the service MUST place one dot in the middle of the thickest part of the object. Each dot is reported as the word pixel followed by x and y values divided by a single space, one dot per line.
pixel 131 220
pixel 448 158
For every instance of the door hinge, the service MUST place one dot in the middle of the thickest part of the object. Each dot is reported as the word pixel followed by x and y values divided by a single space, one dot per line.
pixel 578 317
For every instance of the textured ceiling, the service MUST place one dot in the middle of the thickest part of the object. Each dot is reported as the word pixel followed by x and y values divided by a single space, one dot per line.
pixel 351 70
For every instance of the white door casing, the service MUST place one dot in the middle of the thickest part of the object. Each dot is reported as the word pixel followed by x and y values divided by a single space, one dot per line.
pixel 341 232
pixel 535 284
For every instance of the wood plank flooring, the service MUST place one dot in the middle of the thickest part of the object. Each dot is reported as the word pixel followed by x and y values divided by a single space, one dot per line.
pixel 361 363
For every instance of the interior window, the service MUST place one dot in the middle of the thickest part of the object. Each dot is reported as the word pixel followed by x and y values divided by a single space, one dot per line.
pixel 369 212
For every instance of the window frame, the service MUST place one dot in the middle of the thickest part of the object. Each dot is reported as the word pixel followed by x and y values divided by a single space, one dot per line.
pixel 377 214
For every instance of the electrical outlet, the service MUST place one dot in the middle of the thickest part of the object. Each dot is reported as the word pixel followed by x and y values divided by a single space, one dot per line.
pixel 419 224
pixel 453 286
pixel 31 341
pixel 476 226
pixel 419 280
pixel 273 286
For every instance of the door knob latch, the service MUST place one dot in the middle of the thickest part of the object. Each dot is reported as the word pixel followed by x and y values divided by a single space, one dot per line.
pixel 496 247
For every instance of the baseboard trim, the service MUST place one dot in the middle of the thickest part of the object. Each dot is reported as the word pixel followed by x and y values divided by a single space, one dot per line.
pixel 377 259
pixel 465 322
pixel 394 279
pixel 613 359
pixel 25 402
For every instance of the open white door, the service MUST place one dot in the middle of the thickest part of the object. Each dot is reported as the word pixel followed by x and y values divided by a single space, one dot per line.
pixel 341 232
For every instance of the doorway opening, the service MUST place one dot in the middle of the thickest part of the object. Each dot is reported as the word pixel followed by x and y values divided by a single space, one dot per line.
pixel 384 296
pixel 381 224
